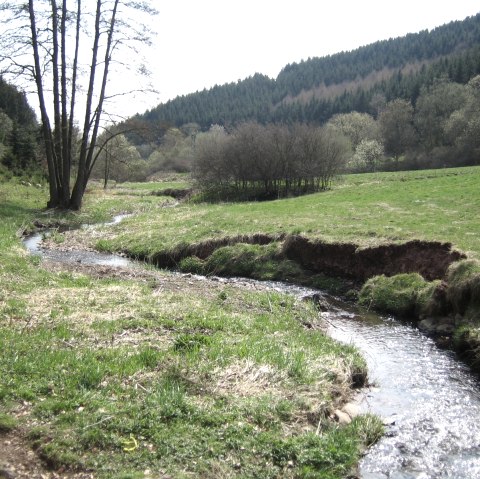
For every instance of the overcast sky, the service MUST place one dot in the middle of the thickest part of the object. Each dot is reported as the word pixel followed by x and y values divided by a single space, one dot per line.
pixel 203 43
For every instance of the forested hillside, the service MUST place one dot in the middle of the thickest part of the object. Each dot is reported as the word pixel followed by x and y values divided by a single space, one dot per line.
pixel 316 89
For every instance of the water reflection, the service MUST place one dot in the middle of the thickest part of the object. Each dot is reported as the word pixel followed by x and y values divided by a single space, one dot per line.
pixel 33 243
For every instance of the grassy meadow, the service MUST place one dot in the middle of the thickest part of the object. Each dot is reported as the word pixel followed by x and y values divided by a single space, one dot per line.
pixel 149 374
pixel 367 209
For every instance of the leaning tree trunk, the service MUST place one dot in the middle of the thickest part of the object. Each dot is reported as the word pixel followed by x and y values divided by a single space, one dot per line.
pixel 54 200
pixel 89 138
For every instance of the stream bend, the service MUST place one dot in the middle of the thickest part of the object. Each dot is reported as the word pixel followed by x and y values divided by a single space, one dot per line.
pixel 429 400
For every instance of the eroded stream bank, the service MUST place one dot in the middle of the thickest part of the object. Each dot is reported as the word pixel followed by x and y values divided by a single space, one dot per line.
pixel 429 399
pixel 423 281
pixel 426 282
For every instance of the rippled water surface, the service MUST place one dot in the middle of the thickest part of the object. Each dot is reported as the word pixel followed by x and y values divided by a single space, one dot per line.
pixel 429 398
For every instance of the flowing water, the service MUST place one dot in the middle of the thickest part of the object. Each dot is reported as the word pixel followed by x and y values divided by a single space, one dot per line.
pixel 34 244
pixel 428 399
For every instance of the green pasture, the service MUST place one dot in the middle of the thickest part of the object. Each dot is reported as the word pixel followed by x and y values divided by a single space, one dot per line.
pixel 367 209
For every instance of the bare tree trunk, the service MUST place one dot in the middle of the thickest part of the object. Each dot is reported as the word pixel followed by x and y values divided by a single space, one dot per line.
pixel 46 129
pixel 107 168
pixel 66 147
pixel 79 189
pixel 57 132
pixel 74 84
pixel 108 57
pixel 86 161
pixel 53 29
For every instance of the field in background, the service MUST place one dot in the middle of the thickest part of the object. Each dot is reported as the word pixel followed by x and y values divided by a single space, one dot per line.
pixel 368 209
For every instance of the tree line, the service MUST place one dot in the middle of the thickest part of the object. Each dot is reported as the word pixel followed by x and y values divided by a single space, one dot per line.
pixel 268 161
pixel 440 42
pixel 18 130
pixel 441 129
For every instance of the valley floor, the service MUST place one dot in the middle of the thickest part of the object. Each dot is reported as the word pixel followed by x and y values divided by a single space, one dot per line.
pixel 141 373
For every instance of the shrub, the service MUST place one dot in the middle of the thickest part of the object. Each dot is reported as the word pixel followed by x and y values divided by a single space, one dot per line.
pixel 253 261
pixel 192 264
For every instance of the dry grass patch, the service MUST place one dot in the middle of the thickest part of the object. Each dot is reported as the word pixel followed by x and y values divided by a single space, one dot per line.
pixel 245 378
pixel 83 306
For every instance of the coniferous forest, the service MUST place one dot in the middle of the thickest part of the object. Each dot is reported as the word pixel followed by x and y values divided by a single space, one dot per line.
pixel 18 129
pixel 318 88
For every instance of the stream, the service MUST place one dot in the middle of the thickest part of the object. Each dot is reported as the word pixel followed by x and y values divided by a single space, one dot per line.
pixel 430 402
pixel 428 399
pixel 33 243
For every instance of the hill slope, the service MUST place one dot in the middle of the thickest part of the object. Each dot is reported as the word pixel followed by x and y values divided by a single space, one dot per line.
pixel 315 89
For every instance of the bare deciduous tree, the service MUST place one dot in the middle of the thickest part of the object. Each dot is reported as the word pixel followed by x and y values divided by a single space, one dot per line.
pixel 46 42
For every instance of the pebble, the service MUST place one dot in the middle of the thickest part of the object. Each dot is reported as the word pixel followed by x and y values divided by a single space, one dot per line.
pixel 351 409
pixel 342 417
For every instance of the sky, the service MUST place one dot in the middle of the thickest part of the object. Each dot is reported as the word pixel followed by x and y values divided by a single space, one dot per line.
pixel 201 43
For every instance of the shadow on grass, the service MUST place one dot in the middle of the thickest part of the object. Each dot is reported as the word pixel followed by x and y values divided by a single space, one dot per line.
pixel 11 209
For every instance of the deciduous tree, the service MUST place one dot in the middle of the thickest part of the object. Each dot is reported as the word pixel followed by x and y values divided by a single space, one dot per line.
pixel 47 42
pixel 433 108
pixel 367 156
pixel 396 125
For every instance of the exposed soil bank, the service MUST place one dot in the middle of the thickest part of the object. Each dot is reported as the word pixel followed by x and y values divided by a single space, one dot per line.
pixel 344 260
pixel 428 258
pixel 356 265
pixel 443 316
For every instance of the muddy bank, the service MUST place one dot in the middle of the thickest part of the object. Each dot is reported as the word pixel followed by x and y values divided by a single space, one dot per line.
pixel 344 260
pixel 429 258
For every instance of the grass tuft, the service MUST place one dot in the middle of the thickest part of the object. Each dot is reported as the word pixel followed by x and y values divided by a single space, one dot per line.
pixel 7 423
pixel 394 294
pixel 463 290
